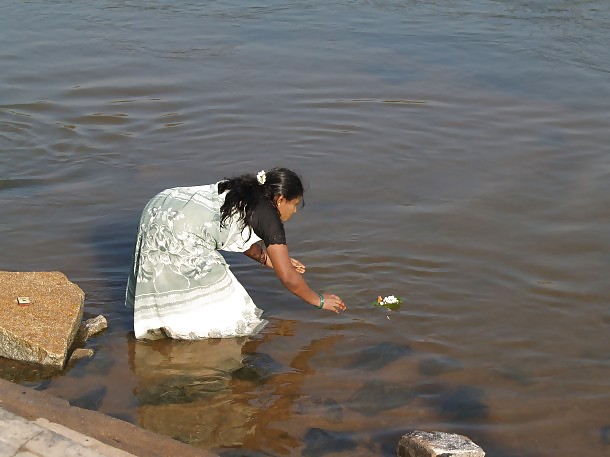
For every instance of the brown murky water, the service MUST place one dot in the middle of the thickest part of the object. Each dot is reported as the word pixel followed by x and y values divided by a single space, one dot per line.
pixel 456 155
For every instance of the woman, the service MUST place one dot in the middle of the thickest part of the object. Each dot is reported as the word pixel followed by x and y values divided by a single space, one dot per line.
pixel 180 285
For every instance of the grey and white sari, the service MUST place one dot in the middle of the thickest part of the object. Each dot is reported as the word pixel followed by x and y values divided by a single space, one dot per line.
pixel 179 285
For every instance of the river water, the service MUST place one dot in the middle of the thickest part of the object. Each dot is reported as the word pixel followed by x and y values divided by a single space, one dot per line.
pixel 456 154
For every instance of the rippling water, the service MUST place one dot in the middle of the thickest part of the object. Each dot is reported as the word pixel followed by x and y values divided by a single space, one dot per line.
pixel 456 154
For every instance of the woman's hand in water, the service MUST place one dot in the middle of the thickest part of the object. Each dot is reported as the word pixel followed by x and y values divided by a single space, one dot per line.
pixel 333 303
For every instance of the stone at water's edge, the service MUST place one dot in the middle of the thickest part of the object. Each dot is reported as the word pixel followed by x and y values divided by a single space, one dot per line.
pixel 42 331
pixel 81 353
pixel 437 444
pixel 89 328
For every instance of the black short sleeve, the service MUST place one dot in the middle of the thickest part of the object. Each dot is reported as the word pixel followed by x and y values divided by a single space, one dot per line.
pixel 267 224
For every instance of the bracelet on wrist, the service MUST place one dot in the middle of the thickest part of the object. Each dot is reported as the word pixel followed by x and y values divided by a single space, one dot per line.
pixel 321 301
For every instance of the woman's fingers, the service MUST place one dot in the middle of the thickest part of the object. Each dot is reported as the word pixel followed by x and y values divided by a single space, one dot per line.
pixel 298 266
pixel 336 304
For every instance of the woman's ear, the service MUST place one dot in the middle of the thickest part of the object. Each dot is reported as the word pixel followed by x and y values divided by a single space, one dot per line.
pixel 279 199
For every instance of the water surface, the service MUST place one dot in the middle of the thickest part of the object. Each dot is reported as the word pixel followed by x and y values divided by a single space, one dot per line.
pixel 455 154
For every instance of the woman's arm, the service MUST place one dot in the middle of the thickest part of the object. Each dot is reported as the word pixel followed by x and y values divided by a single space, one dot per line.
pixel 294 281
pixel 257 253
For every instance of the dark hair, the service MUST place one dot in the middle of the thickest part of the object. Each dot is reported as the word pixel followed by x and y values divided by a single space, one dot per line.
pixel 246 193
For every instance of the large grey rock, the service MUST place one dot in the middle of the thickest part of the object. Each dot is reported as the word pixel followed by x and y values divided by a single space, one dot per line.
pixel 41 331
pixel 437 444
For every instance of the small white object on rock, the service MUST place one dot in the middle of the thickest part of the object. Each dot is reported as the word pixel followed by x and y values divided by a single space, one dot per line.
pixel 437 444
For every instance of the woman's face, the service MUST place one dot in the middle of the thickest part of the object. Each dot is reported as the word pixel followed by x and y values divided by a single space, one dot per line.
pixel 287 208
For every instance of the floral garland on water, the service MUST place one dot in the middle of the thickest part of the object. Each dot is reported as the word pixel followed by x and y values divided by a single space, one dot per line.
pixel 390 302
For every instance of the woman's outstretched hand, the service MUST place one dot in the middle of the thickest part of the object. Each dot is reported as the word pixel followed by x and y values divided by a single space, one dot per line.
pixel 298 266
pixel 333 303
pixel 290 272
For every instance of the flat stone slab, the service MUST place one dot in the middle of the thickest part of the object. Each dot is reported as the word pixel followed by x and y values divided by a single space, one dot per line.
pixel 437 444
pixel 88 429
pixel 21 438
pixel 40 313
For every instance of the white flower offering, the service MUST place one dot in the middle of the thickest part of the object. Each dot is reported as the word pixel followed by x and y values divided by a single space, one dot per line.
pixel 391 302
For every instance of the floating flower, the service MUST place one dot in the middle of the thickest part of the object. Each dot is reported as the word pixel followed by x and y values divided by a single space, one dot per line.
pixel 391 302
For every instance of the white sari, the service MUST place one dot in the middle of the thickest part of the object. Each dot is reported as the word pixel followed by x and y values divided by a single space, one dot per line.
pixel 179 285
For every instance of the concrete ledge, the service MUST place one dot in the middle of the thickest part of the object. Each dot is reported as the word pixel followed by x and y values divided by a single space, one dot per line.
pixel 20 437
pixel 52 418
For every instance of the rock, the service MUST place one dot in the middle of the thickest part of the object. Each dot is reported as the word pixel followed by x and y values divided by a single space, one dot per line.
pixel 459 403
pixel 326 408
pixel 436 365
pixel 91 399
pixel 42 328
pixel 257 368
pixel 319 442
pixel 90 328
pixel 81 353
pixel 605 435
pixel 377 396
pixel 437 444
pixel 373 358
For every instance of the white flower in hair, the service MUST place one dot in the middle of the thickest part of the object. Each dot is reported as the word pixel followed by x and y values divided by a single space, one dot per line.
pixel 261 177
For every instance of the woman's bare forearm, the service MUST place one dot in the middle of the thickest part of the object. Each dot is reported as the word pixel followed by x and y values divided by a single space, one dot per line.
pixel 256 252
pixel 289 276
pixel 293 280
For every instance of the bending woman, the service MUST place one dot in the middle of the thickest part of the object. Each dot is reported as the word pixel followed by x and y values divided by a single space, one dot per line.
pixel 181 287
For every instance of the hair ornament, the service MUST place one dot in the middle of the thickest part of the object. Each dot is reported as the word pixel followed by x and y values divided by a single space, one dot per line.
pixel 261 177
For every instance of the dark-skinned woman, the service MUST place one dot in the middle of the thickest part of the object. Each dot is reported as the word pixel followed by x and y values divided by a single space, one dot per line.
pixel 181 287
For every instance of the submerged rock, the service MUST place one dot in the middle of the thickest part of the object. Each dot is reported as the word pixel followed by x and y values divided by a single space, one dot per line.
pixel 377 396
pixel 460 403
pixel 182 389
pixel 257 368
pixel 436 365
pixel 437 444
pixel 39 316
pixel 319 442
pixel 327 408
pixel 375 357
pixel 90 400
pixel 605 435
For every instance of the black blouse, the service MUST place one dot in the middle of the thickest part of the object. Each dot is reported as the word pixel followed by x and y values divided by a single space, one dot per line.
pixel 267 224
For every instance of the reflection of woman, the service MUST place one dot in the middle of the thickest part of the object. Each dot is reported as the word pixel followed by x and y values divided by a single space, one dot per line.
pixel 180 286
pixel 184 390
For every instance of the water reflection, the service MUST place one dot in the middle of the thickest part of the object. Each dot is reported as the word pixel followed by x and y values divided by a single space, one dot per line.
pixel 184 390
pixel 26 373
pixel 225 393
pixel 284 395
pixel 455 152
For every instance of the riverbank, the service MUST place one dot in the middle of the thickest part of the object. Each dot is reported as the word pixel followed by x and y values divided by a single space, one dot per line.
pixel 42 424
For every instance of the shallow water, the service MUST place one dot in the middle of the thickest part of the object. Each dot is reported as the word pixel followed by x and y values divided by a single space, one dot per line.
pixel 456 155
